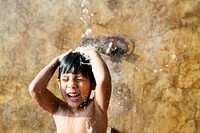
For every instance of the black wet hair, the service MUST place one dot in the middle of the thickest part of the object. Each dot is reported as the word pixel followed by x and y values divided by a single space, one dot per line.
pixel 74 62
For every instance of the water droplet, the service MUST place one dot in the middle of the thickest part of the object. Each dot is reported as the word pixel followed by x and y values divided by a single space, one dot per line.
pixel 82 35
pixel 155 71
pixel 88 32
pixel 83 3
pixel 107 50
pixel 85 11
pixel 110 44
pixel 81 19
pixel 173 57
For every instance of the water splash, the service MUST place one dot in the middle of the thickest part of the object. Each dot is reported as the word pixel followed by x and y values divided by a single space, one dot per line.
pixel 88 127
pixel 114 46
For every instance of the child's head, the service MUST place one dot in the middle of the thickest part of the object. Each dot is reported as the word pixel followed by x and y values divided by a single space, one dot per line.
pixel 75 62
pixel 73 68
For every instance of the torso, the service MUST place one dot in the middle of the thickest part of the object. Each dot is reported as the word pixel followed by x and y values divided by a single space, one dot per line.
pixel 89 119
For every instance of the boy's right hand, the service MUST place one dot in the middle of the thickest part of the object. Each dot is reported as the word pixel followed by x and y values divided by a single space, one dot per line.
pixel 64 54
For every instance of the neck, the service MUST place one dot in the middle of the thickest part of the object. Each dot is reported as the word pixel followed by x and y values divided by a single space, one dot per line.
pixel 80 107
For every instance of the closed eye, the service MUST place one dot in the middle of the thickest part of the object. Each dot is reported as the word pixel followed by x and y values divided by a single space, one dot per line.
pixel 80 78
pixel 64 79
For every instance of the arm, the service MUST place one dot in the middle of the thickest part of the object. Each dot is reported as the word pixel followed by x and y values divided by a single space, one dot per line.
pixel 38 87
pixel 101 75
pixel 103 79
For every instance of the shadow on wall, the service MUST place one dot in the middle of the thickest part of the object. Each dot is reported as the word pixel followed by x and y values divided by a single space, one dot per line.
pixel 114 131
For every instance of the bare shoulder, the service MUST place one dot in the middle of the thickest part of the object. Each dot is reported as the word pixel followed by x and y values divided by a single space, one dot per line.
pixel 62 110
pixel 94 110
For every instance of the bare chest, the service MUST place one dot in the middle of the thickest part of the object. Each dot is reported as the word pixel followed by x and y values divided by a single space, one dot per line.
pixel 84 124
pixel 87 120
pixel 67 124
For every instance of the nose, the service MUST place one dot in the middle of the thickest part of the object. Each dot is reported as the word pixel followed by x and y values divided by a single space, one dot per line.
pixel 71 84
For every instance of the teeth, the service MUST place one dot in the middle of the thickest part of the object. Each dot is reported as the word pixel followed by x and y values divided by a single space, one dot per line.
pixel 73 95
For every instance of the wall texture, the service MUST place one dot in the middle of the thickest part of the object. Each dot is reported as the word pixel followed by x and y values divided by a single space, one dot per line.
pixel 156 86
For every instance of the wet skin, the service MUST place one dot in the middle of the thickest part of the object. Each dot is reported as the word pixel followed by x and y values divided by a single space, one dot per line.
pixel 78 112
pixel 75 89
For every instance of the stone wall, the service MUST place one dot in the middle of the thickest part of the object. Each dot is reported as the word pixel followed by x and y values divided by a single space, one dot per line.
pixel 156 86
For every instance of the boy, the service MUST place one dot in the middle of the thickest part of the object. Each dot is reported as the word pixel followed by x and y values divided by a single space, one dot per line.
pixel 78 76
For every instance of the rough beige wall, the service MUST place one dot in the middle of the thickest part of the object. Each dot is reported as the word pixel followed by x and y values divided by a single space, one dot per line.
pixel 156 88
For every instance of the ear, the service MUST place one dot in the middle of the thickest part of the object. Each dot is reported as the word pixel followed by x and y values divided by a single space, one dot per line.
pixel 58 81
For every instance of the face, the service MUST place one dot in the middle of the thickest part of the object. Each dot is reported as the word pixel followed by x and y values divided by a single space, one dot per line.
pixel 74 88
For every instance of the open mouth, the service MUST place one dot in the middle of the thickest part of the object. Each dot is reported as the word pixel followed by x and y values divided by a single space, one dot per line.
pixel 73 96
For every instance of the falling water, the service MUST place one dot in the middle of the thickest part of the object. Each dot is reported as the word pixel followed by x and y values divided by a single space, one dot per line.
pixel 86 18
pixel 114 47
pixel 110 45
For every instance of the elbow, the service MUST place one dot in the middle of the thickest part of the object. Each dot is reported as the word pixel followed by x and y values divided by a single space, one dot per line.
pixel 32 89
